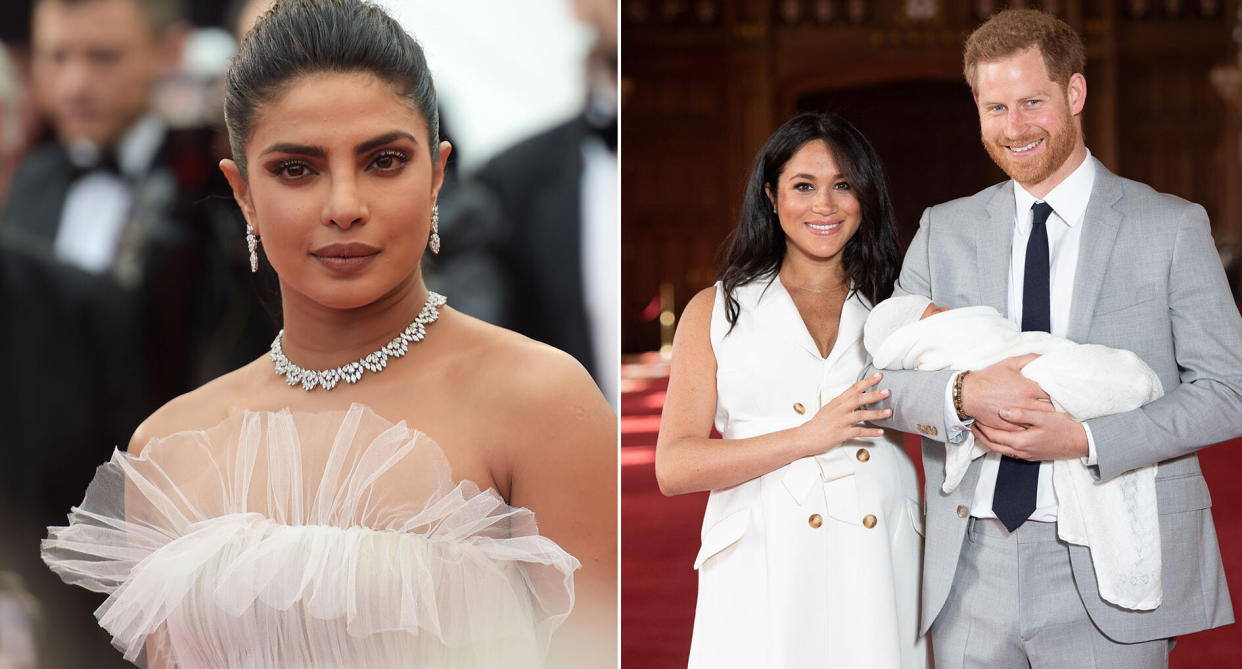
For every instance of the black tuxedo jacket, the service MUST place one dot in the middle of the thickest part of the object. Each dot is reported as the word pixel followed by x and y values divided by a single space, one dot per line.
pixel 194 308
pixel 87 359
pixel 59 397
pixel 537 190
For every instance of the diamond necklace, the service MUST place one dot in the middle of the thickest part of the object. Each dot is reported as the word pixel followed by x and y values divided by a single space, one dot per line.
pixel 373 362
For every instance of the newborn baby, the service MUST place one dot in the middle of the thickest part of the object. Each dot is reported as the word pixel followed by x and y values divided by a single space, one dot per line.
pixel 1116 519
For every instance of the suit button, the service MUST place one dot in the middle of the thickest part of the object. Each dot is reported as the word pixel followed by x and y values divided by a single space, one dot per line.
pixel 962 511
pixel 868 521
pixel 799 408
pixel 863 455
pixel 815 520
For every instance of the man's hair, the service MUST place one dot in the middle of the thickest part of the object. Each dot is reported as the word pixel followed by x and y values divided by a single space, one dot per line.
pixel 162 14
pixel 1015 30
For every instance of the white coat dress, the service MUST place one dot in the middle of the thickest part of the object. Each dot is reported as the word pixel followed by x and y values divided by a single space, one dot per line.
pixel 815 564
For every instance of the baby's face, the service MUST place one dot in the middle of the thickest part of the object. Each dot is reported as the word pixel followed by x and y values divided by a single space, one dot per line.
pixel 932 309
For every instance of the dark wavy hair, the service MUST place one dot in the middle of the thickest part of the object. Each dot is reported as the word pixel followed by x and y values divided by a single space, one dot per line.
pixel 756 248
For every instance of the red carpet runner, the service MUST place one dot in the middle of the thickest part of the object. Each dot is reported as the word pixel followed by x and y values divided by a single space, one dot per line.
pixel 660 537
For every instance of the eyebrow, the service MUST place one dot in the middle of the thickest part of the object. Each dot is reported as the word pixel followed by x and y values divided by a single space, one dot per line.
pixel 1022 98
pixel 804 175
pixel 319 152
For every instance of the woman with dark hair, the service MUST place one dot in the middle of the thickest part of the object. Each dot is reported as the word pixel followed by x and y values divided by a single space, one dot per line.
pixel 811 538
pixel 365 495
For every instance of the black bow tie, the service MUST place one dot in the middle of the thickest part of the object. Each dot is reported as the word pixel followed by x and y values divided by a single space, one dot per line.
pixel 107 163
pixel 606 130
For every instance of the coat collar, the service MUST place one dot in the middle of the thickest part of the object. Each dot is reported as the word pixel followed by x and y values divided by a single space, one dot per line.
pixel 994 249
pixel 1099 234
pixel 776 312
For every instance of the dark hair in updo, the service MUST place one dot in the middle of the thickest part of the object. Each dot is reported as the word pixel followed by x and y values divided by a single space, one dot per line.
pixel 756 247
pixel 301 37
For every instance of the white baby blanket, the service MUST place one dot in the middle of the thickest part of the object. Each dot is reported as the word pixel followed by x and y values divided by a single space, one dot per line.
pixel 1116 519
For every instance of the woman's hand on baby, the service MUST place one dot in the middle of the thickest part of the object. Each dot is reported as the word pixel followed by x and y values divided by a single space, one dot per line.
pixel 1001 386
pixel 838 420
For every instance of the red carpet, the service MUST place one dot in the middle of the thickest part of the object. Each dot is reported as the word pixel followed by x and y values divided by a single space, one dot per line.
pixel 660 537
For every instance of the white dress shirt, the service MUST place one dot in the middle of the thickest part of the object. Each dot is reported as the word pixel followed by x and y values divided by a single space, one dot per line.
pixel 98 204
pixel 601 263
pixel 1069 206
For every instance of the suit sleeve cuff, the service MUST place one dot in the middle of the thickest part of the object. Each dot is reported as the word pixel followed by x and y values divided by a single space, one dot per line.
pixel 955 429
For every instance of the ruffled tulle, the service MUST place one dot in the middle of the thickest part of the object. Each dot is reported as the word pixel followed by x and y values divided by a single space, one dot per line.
pixel 327 539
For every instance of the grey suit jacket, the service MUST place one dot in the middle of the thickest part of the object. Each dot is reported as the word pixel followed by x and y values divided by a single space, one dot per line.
pixel 1148 280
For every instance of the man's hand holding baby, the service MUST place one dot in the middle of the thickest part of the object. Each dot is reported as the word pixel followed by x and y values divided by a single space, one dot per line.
pixel 1014 417
pixel 1047 435
pixel 1001 386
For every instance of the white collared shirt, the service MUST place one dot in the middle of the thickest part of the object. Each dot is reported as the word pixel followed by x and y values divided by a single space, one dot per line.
pixel 98 204
pixel 1064 226
pixel 601 262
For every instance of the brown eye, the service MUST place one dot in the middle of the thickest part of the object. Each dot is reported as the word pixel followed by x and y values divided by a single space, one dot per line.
pixel 390 161
pixel 292 169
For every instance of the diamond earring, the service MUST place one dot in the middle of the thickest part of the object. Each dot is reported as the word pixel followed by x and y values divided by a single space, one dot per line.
pixel 252 243
pixel 435 228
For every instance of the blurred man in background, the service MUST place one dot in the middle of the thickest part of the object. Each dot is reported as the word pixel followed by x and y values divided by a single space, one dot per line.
pixel 95 64
pixel 119 195
pixel 544 213
pixel 123 282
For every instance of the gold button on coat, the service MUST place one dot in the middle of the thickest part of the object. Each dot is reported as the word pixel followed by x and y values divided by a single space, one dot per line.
pixel 799 408
pixel 863 455
pixel 962 511
pixel 815 520
pixel 868 521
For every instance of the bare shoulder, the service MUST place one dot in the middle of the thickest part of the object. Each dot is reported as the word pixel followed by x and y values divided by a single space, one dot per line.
pixel 535 405
pixel 515 375
pixel 693 336
pixel 699 309
pixel 198 409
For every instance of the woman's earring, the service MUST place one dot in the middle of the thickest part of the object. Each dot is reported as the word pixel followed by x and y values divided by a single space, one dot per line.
pixel 252 243
pixel 435 228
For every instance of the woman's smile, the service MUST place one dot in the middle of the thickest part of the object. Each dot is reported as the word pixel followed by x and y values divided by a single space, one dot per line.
pixel 823 228
pixel 815 203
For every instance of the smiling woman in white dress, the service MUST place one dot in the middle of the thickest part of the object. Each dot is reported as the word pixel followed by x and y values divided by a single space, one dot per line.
pixel 366 495
pixel 812 534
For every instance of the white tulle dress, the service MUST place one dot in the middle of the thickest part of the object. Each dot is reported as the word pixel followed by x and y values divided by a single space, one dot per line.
pixel 310 540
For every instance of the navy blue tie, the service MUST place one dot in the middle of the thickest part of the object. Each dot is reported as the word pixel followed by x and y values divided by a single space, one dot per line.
pixel 1017 481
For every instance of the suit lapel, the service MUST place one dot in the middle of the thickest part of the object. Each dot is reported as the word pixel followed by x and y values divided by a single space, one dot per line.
pixel 37 198
pixel 1101 223
pixel 993 250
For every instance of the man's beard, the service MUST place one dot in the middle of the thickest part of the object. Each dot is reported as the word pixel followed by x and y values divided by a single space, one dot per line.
pixel 1057 149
